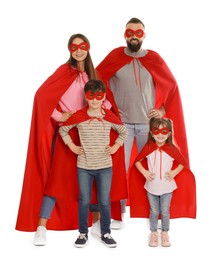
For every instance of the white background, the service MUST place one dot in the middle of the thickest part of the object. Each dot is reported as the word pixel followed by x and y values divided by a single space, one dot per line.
pixel 33 43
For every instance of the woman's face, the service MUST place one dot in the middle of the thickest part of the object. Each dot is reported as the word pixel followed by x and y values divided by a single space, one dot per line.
pixel 79 49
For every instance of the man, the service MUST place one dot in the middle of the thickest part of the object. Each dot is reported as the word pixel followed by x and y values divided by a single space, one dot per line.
pixel 143 87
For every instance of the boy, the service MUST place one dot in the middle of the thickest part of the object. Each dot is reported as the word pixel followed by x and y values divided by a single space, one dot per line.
pixel 94 161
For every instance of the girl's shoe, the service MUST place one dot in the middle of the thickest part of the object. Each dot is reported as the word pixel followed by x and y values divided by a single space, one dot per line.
pixel 153 239
pixel 165 239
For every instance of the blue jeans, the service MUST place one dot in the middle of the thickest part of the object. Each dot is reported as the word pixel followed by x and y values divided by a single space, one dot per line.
pixel 48 204
pixel 103 179
pixel 140 133
pixel 159 205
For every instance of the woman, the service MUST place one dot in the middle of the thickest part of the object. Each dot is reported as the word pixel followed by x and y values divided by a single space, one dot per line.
pixel 57 98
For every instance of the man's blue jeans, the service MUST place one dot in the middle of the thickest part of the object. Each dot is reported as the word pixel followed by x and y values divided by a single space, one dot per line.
pixel 140 133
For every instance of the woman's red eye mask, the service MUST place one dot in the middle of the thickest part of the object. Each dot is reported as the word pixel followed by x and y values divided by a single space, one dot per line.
pixel 84 46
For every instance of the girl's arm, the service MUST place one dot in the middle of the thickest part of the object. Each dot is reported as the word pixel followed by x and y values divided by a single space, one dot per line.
pixel 171 174
pixel 147 174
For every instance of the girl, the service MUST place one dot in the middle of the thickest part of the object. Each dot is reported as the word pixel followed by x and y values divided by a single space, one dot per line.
pixel 159 162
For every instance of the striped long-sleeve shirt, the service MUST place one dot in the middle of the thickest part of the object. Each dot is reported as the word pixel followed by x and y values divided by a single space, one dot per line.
pixel 94 138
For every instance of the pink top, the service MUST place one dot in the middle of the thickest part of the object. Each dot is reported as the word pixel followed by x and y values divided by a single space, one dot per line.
pixel 74 99
pixel 159 163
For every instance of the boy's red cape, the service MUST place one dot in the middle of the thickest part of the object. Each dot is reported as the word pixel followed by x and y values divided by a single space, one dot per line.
pixel 63 182
pixel 38 161
pixel 167 91
pixel 183 202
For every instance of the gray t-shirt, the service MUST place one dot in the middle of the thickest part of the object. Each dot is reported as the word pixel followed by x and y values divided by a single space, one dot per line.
pixel 133 90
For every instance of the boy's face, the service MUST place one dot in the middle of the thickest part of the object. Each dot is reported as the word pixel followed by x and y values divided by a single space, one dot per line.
pixel 95 100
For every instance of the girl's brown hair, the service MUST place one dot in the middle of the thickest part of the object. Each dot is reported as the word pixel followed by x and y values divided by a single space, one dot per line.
pixel 89 67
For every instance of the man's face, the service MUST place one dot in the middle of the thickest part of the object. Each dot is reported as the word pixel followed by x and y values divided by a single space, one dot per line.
pixel 134 36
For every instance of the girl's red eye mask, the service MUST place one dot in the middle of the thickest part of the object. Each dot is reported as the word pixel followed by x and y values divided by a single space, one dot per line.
pixel 157 131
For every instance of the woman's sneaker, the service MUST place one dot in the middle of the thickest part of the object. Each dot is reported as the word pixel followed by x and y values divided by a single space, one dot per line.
pixel 40 238
pixel 108 240
pixel 81 240
pixel 153 239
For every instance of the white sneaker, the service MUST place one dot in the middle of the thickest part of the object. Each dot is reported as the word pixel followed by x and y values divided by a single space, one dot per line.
pixel 40 238
pixel 116 224
pixel 96 229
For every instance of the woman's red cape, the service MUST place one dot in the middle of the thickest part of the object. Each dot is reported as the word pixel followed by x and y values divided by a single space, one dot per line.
pixel 38 161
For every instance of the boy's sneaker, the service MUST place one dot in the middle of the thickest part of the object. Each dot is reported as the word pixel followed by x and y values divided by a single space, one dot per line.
pixel 108 240
pixel 40 238
pixel 96 229
pixel 81 240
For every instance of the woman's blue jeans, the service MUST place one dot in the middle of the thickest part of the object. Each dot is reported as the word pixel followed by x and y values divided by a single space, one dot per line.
pixel 48 204
pixel 159 205
pixel 103 178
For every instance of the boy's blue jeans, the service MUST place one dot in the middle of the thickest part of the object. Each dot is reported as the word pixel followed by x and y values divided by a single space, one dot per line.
pixel 103 179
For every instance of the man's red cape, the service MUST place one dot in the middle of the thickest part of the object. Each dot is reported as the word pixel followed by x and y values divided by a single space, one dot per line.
pixel 183 202
pixel 167 92
pixel 63 182
pixel 38 161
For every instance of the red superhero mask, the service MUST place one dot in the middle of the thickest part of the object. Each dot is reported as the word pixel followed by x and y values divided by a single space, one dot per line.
pixel 98 95
pixel 84 46
pixel 157 131
pixel 138 33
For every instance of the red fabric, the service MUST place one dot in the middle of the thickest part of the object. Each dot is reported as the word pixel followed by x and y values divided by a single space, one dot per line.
pixel 63 181
pixel 38 161
pixel 183 202
pixel 167 92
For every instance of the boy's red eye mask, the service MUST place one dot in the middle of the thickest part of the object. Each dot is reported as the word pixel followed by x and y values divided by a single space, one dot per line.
pixel 84 46
pixel 98 95
pixel 163 131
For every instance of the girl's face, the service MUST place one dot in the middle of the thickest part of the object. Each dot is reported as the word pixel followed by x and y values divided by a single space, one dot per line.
pixel 160 134
pixel 79 49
